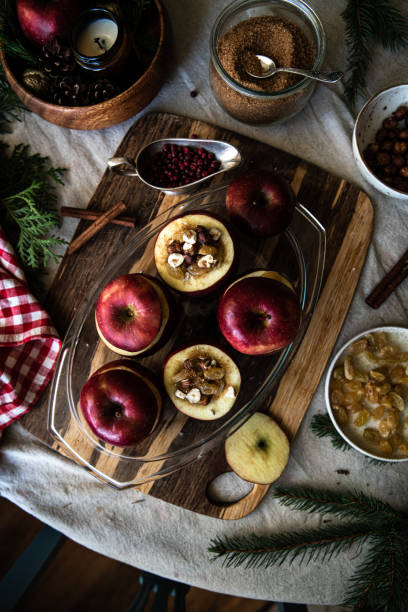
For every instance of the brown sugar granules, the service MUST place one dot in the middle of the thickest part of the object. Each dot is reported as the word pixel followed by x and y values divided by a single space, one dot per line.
pixel 274 37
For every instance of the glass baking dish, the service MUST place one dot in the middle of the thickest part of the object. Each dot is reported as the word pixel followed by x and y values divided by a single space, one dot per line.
pixel 298 253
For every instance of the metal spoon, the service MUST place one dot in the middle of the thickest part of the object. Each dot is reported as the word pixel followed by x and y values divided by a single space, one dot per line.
pixel 227 155
pixel 269 68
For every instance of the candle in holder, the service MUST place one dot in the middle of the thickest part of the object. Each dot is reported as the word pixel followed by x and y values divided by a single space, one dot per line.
pixel 100 41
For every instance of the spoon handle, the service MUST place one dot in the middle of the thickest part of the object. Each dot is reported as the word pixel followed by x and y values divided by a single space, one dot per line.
pixel 325 77
pixel 124 166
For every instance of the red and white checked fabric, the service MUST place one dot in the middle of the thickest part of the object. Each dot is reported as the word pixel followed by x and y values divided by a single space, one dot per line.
pixel 29 344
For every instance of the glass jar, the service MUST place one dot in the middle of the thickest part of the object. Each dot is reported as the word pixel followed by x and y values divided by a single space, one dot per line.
pixel 100 42
pixel 259 102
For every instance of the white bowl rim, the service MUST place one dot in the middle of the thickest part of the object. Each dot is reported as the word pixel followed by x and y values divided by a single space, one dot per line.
pixel 397 192
pixel 334 360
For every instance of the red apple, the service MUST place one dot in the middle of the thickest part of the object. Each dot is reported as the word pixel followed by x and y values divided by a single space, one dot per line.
pixel 261 202
pixel 43 20
pixel 259 313
pixel 183 265
pixel 121 403
pixel 133 314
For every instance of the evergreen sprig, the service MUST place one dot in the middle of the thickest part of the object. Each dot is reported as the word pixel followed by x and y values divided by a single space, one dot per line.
pixel 11 108
pixel 351 504
pixel 10 35
pixel 255 551
pixel 322 426
pixel 379 583
pixel 369 22
pixel 28 205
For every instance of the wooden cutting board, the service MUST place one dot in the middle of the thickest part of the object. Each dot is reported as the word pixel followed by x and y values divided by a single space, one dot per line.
pixel 343 209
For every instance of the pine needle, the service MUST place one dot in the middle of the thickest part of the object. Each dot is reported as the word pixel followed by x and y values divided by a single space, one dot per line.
pixel 351 504
pixel 369 22
pixel 322 544
pixel 322 426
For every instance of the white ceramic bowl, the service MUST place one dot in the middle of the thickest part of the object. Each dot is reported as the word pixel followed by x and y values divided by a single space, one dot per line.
pixel 368 122
pixel 398 336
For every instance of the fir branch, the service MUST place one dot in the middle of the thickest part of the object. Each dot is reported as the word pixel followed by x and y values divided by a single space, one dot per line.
pixel 322 544
pixel 351 504
pixel 369 22
pixel 379 583
pixel 322 426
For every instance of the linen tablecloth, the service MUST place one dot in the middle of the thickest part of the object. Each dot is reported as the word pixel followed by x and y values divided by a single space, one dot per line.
pixel 155 535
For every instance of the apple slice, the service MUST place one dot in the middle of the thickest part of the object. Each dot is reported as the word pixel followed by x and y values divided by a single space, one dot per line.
pixel 261 202
pixel 202 381
pixel 122 403
pixel 133 315
pixel 259 313
pixel 259 450
pixel 195 253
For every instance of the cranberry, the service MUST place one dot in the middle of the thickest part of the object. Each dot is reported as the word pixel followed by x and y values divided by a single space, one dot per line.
pixel 177 165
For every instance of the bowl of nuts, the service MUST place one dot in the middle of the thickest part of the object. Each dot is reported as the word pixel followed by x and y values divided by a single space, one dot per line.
pixel 366 392
pixel 380 141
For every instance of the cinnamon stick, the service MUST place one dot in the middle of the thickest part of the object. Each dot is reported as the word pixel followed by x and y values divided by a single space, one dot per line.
pixel 92 215
pixel 95 227
pixel 390 282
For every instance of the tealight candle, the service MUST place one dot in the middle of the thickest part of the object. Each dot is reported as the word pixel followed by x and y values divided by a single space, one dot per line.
pixel 97 37
pixel 100 42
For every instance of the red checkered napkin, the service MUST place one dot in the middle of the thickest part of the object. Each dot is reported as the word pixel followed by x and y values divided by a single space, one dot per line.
pixel 29 344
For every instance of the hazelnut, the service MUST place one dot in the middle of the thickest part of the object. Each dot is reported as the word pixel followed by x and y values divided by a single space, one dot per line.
pixel 400 113
pixel 175 260
pixel 381 135
pixel 390 170
pixel 400 147
pixel 404 171
pixel 398 160
pixel 383 159
pixel 390 123
pixel 387 145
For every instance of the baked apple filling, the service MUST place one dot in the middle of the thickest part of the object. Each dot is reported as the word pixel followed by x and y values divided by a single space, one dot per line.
pixel 194 252
pixel 200 380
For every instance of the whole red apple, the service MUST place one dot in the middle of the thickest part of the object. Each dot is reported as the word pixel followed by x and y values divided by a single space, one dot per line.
pixel 258 314
pixel 43 20
pixel 261 202
pixel 131 314
pixel 121 403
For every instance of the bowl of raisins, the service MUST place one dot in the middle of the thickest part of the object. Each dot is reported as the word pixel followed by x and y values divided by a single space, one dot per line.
pixel 380 141
pixel 366 393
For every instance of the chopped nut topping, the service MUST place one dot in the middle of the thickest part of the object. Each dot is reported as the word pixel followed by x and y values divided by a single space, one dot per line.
pixel 201 250
pixel 230 392
pixel 207 261
pixel 193 396
pixel 200 375
pixel 190 236
pixel 175 260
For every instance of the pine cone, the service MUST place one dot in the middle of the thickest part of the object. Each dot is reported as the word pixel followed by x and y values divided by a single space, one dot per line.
pixel 56 59
pixel 71 90
pixel 102 90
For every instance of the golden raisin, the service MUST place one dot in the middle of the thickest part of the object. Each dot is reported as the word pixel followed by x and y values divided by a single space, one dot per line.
pixel 362 417
pixel 385 447
pixel 340 414
pixel 371 434
pixel 378 412
pixel 359 346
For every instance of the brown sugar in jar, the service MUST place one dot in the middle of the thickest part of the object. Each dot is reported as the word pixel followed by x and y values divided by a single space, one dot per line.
pixel 276 98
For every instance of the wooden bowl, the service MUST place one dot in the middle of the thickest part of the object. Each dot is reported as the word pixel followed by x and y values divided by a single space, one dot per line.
pixel 123 106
